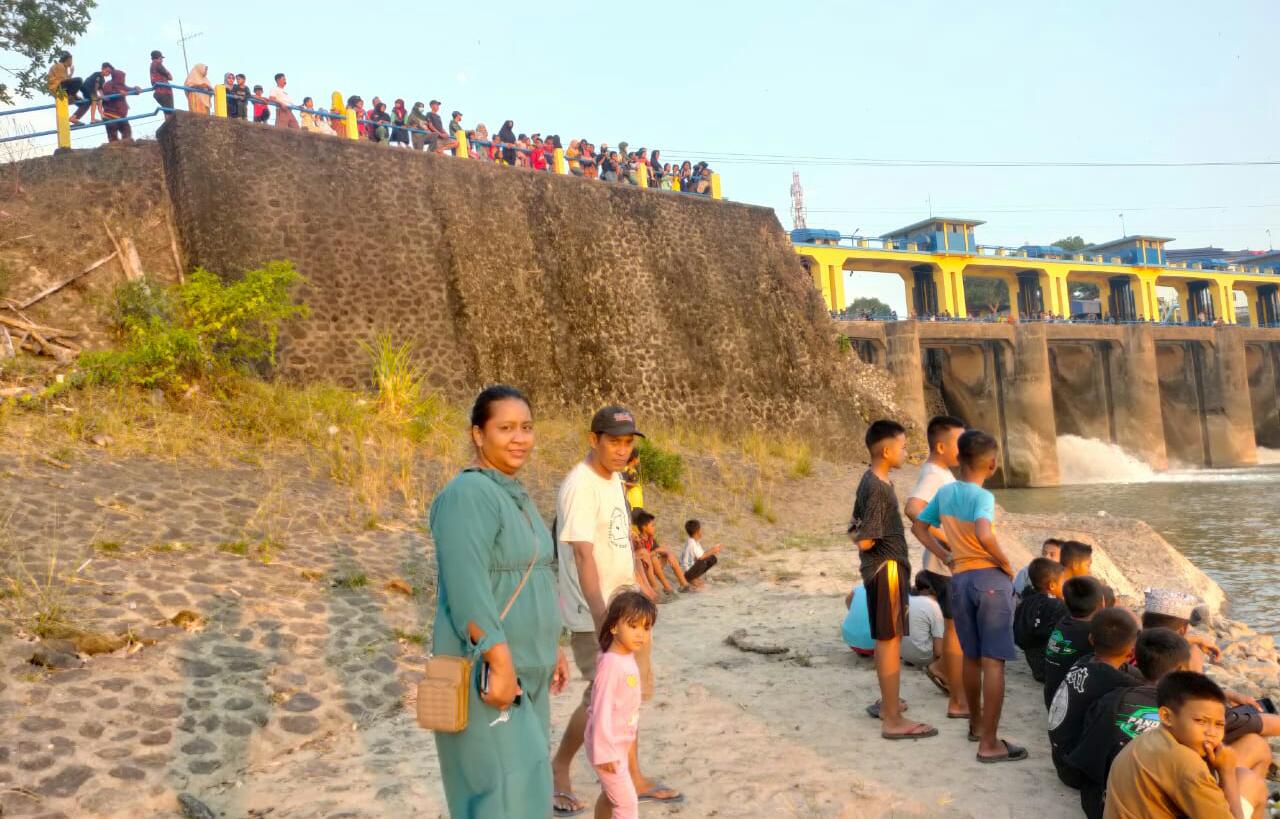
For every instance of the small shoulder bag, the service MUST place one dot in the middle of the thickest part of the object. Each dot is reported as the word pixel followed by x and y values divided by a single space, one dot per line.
pixel 444 692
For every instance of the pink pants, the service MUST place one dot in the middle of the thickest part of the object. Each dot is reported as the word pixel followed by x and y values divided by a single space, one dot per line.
pixel 620 791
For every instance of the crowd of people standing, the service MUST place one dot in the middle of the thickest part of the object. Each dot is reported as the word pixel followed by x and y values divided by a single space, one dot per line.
pixel 103 95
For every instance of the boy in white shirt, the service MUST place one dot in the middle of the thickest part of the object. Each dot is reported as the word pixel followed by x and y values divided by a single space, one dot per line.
pixel 696 560
pixel 922 647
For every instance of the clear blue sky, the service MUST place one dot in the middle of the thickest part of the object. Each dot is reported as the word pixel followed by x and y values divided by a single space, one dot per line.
pixel 1089 81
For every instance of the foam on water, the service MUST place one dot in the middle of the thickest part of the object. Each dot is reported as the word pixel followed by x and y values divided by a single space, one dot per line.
pixel 1090 461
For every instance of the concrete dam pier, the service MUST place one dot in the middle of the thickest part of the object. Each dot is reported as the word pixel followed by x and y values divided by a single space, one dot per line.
pixel 1201 396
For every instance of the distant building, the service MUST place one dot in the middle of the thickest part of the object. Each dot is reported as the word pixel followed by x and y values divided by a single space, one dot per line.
pixel 1134 250
pixel 939 235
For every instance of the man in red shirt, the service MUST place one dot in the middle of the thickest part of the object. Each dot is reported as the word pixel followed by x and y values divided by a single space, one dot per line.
pixel 159 74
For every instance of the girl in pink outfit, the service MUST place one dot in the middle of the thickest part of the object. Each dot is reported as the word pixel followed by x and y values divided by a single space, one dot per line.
pixel 614 713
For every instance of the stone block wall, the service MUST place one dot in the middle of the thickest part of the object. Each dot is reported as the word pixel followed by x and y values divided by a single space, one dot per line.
pixel 580 292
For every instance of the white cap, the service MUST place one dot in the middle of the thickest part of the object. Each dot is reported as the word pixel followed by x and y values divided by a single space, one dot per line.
pixel 1171 603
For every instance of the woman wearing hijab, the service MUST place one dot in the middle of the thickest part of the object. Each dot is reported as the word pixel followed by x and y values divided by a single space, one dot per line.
pixel 481 135
pixel 507 136
pixel 380 119
pixel 399 118
pixel 417 121
pixel 655 167
pixel 198 101
pixel 115 106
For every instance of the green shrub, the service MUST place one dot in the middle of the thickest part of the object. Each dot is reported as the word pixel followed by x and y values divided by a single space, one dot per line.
pixel 173 334
pixel 659 467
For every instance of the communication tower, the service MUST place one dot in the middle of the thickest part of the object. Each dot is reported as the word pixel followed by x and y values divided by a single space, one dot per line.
pixel 797 202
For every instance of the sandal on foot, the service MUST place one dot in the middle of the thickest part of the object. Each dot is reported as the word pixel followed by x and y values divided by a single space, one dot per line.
pixel 873 710
pixel 914 732
pixel 937 680
pixel 567 796
pixel 973 737
pixel 1012 753
pixel 651 795
pixel 958 716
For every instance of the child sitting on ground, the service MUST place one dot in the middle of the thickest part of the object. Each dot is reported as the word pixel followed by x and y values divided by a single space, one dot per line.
pixel 856 628
pixel 1039 610
pixel 1183 768
pixel 1076 558
pixel 922 645
pixel 613 715
pixel 695 560
pixel 1069 640
pixel 1051 549
pixel 1112 635
pixel 647 544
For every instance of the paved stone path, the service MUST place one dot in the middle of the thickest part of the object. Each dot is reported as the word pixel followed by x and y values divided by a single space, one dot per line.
pixel 290 649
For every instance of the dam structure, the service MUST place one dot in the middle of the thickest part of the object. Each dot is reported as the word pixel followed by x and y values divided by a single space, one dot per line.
pixel 1203 392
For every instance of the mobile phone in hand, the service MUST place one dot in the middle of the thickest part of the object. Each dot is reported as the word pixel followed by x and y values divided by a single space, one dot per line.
pixel 482 682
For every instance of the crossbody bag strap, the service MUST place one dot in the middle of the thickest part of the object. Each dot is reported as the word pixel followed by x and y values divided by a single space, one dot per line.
pixel 527 572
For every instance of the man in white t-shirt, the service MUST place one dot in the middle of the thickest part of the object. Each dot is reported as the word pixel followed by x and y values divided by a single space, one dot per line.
pixel 283 102
pixel 593 543
pixel 944 455
pixel 922 647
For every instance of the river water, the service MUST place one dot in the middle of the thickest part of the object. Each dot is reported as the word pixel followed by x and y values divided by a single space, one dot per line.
pixel 1226 521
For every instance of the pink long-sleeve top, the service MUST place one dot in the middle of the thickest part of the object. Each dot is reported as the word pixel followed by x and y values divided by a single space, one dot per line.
pixel 614 713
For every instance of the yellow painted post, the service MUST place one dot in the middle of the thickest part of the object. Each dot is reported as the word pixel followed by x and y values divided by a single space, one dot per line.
pixel 558 162
pixel 715 186
pixel 837 287
pixel 220 101
pixel 463 151
pixel 642 176
pixel 64 121
pixel 909 284
pixel 1015 290
pixel 962 307
pixel 353 128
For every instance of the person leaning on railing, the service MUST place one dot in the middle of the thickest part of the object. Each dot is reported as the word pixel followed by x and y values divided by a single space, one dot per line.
pixel 199 90
pixel 159 74
pixel 115 106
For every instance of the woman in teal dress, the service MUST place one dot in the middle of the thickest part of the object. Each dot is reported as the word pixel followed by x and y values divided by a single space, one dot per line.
pixel 487 531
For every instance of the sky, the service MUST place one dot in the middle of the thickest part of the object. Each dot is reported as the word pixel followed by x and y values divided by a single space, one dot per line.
pixel 761 89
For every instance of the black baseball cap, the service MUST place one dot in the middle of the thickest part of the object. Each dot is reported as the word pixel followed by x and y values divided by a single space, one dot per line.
pixel 615 420
pixel 434 102
pixel 156 55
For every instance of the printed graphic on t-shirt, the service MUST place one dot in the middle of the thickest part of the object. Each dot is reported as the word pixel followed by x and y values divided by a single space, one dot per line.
pixel 1138 721
pixel 619 530
pixel 1060 646
pixel 1075 679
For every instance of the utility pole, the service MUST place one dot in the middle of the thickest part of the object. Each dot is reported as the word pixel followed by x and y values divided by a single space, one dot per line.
pixel 182 41
pixel 1124 234
pixel 797 202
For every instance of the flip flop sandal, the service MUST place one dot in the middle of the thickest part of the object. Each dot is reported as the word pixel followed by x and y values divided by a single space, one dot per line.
pixel 936 680
pixel 973 737
pixel 873 710
pixel 913 734
pixel 648 796
pixel 571 799
pixel 957 716
pixel 1012 753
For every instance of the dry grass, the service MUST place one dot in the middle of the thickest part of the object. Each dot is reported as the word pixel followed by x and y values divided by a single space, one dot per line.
pixel 35 593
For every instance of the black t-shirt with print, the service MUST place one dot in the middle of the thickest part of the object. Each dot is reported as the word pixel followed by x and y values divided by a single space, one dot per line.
pixel 1115 719
pixel 1086 683
pixel 1068 642
pixel 876 517
pixel 1033 622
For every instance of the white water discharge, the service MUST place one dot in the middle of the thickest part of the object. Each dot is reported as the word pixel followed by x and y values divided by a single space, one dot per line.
pixel 1087 460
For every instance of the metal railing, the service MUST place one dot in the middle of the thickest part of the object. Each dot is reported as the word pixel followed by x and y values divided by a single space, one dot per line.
pixel 465 148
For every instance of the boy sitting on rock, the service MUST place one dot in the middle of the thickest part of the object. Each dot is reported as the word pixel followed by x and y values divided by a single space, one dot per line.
pixel 1069 639
pixel 1184 768
pixel 1038 612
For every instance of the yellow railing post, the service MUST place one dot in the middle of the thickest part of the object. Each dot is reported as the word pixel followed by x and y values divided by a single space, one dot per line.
pixel 64 121
pixel 353 128
pixel 642 175
pixel 220 100
pixel 715 186
pixel 464 145
pixel 558 162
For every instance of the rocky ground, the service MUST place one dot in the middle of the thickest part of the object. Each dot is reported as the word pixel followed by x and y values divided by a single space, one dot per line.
pixel 246 643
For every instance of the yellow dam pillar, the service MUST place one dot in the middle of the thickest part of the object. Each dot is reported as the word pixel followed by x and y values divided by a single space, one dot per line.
pixel 64 121
pixel 220 101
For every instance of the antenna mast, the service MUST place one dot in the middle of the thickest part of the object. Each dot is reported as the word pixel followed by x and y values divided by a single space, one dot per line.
pixel 797 201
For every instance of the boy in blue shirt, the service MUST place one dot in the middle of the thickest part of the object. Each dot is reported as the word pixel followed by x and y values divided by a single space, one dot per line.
pixel 981 589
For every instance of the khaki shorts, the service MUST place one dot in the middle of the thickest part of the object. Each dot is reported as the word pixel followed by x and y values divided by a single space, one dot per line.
pixel 586 647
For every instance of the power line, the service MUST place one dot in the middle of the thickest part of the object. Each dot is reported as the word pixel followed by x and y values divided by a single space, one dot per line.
pixel 960 209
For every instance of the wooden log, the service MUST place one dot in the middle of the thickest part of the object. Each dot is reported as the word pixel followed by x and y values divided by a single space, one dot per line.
pixel 28 325
pixel 54 288
pixel 173 246
pixel 134 267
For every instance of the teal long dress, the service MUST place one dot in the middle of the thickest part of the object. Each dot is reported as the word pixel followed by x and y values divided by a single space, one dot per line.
pixel 486 530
